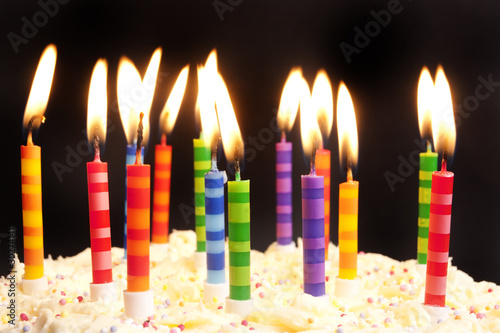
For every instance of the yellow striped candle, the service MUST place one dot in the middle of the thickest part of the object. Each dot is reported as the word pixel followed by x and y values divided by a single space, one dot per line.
pixel 201 167
pixel 348 230
pixel 31 179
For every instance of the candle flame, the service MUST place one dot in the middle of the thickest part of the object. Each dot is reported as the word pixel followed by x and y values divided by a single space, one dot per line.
pixel 40 88
pixel 207 77
pixel 309 129
pixel 230 131
pixel 170 111
pixel 346 128
pixel 136 95
pixel 443 120
pixel 322 102
pixel 289 102
pixel 97 102
pixel 425 100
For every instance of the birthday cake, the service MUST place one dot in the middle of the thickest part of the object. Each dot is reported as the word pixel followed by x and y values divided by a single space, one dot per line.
pixel 389 300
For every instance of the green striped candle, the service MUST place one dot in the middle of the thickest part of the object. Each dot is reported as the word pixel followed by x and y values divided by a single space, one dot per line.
pixel 239 239
pixel 428 164
pixel 201 167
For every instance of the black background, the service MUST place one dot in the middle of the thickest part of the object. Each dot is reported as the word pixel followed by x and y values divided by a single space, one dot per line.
pixel 258 42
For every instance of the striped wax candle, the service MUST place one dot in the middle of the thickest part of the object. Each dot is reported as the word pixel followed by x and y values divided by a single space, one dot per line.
pixel 215 232
pixel 201 167
pixel 138 219
pixel 439 237
pixel 100 233
pixel 239 239
pixel 323 162
pixel 161 193
pixel 428 164
pixel 129 160
pixel 348 230
pixel 313 233
pixel 31 180
pixel 284 225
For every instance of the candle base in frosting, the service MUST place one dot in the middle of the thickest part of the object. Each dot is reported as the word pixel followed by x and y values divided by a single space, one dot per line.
pixel 200 261
pixel 437 313
pixel 215 292
pixel 31 287
pixel 240 307
pixel 106 291
pixel 288 248
pixel 346 287
pixel 138 304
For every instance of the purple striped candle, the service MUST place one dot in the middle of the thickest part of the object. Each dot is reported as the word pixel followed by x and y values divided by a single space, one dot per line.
pixel 284 226
pixel 313 234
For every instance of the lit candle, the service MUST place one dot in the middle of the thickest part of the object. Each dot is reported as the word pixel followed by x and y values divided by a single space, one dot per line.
pixel 163 160
pixel 215 286
pixel 428 164
pixel 31 175
pixel 135 96
pixel 287 113
pixel 322 102
pixel 102 285
pixel 138 298
pixel 347 283
pixel 202 160
pixel 313 204
pixel 239 300
pixel 443 130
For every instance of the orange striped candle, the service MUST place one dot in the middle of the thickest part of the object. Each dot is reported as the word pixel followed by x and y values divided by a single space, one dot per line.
pixel 161 194
pixel 31 180
pixel 323 158
pixel 138 203
pixel 348 230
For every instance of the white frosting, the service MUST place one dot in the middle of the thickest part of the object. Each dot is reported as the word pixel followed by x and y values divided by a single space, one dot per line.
pixel 387 302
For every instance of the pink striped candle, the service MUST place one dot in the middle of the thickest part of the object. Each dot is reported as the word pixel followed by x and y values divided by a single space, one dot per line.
pixel 284 226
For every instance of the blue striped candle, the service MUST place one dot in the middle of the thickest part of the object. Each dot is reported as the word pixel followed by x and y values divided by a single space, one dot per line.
pixel 284 225
pixel 214 223
pixel 129 160
pixel 313 234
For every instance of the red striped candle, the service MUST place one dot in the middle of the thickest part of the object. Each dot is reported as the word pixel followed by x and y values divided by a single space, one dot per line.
pixel 439 237
pixel 100 233
pixel 161 194
pixel 138 203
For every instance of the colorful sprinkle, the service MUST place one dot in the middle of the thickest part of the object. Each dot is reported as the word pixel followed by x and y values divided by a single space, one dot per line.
pixel 497 306
pixel 339 330
pixel 369 300
pixel 104 330
pixel 490 290
pixel 362 315
pixel 387 320
pixel 257 285
pixel 26 328
pixel 481 315
pixel 24 317
pixel 113 328
pixel 310 320
pixel 244 322
pixel 80 299
pixel 220 307
pixel 164 316
pixel 181 327
pixel 262 295
pixel 62 301
pixel 403 287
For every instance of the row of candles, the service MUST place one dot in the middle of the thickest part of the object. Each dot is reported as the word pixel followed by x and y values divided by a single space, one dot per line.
pixel 218 120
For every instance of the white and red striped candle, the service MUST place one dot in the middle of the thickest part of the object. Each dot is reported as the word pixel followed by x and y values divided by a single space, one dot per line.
pixel 439 237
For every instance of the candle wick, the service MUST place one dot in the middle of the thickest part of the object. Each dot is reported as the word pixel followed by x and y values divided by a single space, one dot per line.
pixel 140 129
pixel 444 161
pixel 349 168
pixel 97 152
pixel 429 146
pixel 313 157
pixel 30 128
pixel 163 139
pixel 214 155
pixel 237 163
pixel 283 136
